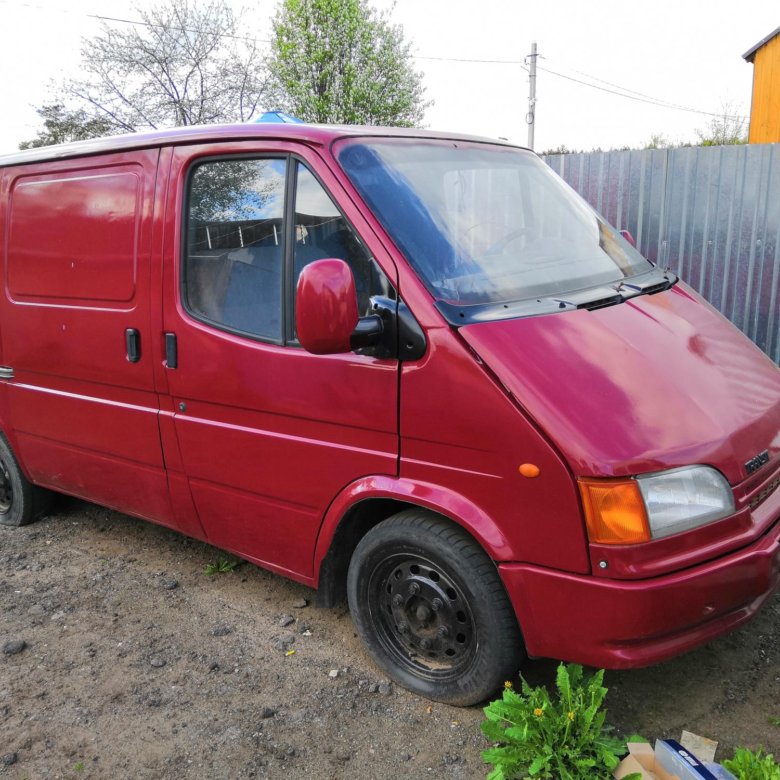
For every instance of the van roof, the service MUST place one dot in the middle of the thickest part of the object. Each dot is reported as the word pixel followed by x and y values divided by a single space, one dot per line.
pixel 319 135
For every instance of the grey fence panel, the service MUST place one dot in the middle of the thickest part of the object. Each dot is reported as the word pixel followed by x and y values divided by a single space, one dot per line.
pixel 711 214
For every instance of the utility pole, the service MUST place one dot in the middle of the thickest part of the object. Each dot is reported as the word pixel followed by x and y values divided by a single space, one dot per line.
pixel 531 115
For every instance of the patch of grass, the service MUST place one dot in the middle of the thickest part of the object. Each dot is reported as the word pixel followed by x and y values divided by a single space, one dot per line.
pixel 564 737
pixel 222 566
pixel 79 767
pixel 775 721
pixel 747 765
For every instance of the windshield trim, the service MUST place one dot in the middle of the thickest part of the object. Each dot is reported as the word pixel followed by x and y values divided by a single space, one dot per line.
pixel 594 297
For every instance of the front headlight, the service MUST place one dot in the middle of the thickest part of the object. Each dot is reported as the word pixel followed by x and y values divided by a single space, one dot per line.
pixel 628 511
pixel 685 498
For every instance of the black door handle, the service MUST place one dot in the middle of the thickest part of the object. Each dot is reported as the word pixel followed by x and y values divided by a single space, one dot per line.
pixel 133 344
pixel 171 351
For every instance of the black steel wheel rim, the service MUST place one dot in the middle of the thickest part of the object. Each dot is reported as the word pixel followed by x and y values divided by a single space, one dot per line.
pixel 6 490
pixel 421 617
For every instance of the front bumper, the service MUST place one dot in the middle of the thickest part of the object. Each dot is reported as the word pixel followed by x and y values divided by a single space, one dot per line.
pixel 620 624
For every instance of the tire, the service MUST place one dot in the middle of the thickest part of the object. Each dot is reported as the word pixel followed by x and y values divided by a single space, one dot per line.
pixel 21 502
pixel 430 607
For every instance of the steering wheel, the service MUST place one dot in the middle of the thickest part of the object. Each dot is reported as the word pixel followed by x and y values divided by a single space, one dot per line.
pixel 504 241
pixel 492 227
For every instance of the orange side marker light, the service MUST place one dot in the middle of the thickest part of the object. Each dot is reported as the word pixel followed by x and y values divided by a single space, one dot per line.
pixel 529 470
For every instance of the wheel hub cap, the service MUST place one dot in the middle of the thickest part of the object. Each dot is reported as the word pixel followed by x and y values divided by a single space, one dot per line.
pixel 6 491
pixel 424 617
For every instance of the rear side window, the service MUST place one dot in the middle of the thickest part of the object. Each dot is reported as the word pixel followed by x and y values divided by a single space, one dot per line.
pixel 243 254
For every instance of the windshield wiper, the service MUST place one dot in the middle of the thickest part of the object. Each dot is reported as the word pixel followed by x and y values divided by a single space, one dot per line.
pixel 592 299
pixel 649 287
pixel 599 297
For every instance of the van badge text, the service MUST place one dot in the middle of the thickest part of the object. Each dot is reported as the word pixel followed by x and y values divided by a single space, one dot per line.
pixel 754 464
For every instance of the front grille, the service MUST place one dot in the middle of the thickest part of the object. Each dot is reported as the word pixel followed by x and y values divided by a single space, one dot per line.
pixel 764 494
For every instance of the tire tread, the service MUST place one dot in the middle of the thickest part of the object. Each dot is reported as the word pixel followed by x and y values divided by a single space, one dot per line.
pixel 32 502
pixel 426 527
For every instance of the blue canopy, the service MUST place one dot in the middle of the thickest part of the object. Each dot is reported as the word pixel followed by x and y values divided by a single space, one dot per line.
pixel 279 116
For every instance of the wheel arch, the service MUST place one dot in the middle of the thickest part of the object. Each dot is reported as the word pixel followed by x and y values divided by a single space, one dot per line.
pixel 367 502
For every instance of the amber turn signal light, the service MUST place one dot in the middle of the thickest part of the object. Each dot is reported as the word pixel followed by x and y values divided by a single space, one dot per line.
pixel 614 511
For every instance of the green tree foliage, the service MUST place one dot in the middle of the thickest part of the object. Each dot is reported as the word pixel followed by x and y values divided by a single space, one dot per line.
pixel 725 129
pixel 342 62
pixel 562 149
pixel 660 141
pixel 61 125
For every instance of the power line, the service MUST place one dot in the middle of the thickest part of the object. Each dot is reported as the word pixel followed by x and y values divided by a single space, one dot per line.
pixel 612 84
pixel 142 23
pixel 618 90
pixel 464 59
pixel 171 27
pixel 651 101
pixel 135 22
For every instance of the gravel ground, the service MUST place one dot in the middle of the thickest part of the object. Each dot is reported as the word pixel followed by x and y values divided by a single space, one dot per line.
pixel 122 659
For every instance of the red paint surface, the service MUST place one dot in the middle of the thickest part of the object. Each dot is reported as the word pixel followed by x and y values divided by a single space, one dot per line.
pixel 82 418
pixel 619 625
pixel 269 435
pixel 460 431
pixel 101 209
pixel 657 382
pixel 263 449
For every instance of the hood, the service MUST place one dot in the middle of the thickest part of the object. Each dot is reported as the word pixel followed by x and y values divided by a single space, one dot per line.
pixel 656 382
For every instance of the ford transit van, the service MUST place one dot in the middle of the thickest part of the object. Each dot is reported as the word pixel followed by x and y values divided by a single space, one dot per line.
pixel 410 369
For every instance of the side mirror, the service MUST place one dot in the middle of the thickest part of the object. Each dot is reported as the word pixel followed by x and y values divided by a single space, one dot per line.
pixel 326 312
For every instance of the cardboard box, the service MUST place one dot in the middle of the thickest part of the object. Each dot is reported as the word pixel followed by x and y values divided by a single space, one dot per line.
pixel 668 761
pixel 641 758
pixel 675 758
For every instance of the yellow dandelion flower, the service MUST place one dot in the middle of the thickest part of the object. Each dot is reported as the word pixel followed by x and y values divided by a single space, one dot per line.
pixel 538 712
pixel 508 684
pixel 571 716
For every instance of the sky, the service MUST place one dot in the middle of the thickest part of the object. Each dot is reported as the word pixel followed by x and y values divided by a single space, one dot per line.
pixel 471 54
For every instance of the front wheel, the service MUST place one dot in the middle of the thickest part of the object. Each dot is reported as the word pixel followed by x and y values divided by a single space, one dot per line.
pixel 429 605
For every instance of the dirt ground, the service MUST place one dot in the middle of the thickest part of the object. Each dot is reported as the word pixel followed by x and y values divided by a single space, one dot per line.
pixel 138 665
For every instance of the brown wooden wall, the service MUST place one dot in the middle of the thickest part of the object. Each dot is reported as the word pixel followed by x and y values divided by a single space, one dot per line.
pixel 765 107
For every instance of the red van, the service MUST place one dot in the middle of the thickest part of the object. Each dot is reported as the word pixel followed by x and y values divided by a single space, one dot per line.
pixel 412 368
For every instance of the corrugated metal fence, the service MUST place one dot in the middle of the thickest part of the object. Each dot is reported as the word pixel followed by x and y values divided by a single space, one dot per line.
pixel 711 214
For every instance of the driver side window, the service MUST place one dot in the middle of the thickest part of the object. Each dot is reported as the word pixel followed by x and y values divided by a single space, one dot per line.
pixel 241 247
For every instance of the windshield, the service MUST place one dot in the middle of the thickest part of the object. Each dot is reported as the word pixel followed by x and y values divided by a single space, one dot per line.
pixel 486 224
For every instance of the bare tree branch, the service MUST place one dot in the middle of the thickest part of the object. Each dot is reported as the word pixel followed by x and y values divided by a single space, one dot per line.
pixel 187 64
